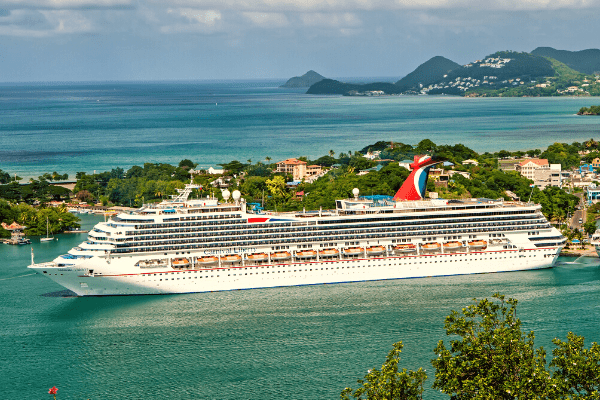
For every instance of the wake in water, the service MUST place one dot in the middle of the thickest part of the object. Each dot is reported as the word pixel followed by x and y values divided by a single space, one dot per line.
pixel 15 277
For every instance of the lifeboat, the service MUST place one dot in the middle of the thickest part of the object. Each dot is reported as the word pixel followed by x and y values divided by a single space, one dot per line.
pixel 478 245
pixel 231 258
pixel 181 262
pixel 306 254
pixel 354 251
pixel 452 246
pixel 207 260
pixel 258 257
pixel 375 250
pixel 432 246
pixel 405 248
pixel 280 256
pixel 328 252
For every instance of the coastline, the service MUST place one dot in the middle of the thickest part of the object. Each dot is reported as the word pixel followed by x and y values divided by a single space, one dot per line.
pixel 587 251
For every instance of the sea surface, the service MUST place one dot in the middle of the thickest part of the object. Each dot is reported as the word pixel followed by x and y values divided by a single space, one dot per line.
pixel 306 342
pixel 295 343
pixel 100 126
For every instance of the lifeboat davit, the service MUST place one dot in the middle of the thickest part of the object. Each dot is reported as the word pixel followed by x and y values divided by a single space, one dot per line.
pixel 280 256
pixel 232 258
pixel 432 246
pixel 328 252
pixel 209 260
pixel 354 251
pixel 478 245
pixel 405 248
pixel 375 250
pixel 257 257
pixel 306 254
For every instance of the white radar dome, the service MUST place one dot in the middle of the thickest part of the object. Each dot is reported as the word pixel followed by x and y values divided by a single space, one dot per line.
pixel 226 194
pixel 236 195
pixel 355 192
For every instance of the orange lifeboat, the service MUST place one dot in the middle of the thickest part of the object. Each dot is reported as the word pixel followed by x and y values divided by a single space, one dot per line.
pixel 432 246
pixel 405 248
pixel 354 251
pixel 328 252
pixel 375 250
pixel 231 258
pixel 257 257
pixel 209 260
pixel 478 245
pixel 306 254
pixel 181 262
pixel 452 246
pixel 280 256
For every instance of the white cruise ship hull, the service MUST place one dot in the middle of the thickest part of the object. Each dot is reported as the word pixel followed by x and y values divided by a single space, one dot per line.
pixel 131 281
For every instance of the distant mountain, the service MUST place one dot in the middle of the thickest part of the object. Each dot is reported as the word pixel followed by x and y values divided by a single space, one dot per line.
pixel 306 80
pixel 427 73
pixel 499 70
pixel 585 61
pixel 330 86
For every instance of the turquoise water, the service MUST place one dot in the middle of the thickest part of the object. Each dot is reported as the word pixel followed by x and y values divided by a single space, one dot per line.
pixel 69 128
pixel 299 342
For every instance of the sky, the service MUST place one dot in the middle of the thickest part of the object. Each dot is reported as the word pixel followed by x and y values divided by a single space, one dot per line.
pixel 125 40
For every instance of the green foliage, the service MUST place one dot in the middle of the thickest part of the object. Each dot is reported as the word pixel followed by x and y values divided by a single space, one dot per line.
pixel 34 219
pixel 390 382
pixel 562 153
pixel 4 177
pixel 233 167
pixel 594 110
pixel 577 370
pixel 491 358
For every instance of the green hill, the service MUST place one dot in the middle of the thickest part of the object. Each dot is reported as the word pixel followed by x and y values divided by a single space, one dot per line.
pixel 330 86
pixel 585 61
pixel 306 80
pixel 427 73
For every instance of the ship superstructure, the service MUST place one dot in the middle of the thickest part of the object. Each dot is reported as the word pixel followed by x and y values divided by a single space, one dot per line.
pixel 201 245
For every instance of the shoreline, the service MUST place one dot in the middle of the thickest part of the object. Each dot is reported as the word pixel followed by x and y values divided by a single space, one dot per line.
pixel 587 251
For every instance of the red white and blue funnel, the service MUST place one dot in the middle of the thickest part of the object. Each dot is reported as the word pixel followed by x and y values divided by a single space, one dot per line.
pixel 415 185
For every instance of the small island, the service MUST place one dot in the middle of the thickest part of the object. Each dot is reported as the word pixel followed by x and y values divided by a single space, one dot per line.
pixel 592 110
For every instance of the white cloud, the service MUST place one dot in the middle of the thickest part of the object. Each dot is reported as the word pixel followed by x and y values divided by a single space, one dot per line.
pixel 65 4
pixel 331 20
pixel 267 20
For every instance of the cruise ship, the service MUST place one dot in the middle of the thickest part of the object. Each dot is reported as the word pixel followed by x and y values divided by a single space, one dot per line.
pixel 185 245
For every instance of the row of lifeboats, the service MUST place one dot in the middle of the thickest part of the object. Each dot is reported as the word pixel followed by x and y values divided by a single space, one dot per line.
pixel 279 256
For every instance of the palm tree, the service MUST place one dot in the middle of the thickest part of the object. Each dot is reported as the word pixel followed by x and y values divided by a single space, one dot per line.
pixel 267 158
pixel 331 153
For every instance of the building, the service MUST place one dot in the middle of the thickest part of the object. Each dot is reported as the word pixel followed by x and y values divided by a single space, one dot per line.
pixel 593 193
pixel 528 167
pixel 406 164
pixel 596 162
pixel 287 166
pixel 544 177
pixel 470 162
pixel 299 169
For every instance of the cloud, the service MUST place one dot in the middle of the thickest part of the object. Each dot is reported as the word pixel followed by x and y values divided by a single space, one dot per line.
pixel 331 20
pixel 267 20
pixel 65 4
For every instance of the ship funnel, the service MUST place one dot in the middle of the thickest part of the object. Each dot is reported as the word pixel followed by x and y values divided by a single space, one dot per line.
pixel 415 185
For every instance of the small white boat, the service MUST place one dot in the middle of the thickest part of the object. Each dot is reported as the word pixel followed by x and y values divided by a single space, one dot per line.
pixel 47 238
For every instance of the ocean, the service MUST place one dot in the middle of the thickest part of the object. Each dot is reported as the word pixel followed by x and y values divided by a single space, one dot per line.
pixel 305 342
pixel 296 343
pixel 97 127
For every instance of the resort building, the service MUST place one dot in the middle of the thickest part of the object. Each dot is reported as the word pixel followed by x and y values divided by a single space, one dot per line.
pixel 527 168
pixel 299 169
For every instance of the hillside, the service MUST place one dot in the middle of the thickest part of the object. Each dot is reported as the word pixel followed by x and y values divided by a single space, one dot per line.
pixel 306 80
pixel 584 61
pixel 499 70
pixel 427 73
pixel 330 86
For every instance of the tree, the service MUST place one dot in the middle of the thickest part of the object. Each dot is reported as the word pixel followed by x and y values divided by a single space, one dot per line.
pixel 493 358
pixel 186 164
pixel 577 373
pixel 4 177
pixel 389 383
pixel 590 227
